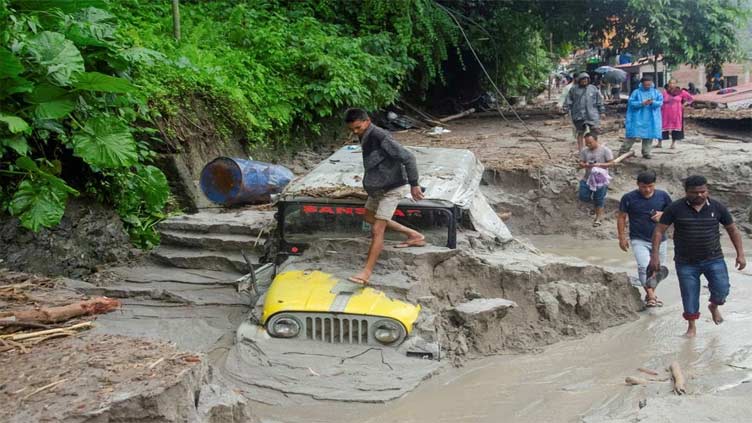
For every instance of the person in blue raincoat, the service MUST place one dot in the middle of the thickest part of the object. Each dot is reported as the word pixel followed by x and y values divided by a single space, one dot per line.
pixel 643 117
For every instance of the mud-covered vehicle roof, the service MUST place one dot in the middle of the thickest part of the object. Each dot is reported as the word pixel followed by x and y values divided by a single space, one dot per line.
pixel 450 177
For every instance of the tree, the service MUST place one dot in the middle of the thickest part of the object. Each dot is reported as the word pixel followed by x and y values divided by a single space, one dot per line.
pixel 694 32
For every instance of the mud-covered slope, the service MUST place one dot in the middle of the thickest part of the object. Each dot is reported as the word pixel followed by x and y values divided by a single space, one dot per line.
pixel 553 297
pixel 543 201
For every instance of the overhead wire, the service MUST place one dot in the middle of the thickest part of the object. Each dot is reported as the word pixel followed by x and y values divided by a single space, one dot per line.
pixel 493 84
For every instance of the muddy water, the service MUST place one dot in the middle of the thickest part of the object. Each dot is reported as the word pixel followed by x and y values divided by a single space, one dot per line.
pixel 571 379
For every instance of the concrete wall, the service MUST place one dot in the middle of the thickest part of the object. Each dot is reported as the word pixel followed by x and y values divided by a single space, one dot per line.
pixel 686 74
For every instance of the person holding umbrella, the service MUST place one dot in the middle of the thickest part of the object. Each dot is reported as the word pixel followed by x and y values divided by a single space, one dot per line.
pixel 585 105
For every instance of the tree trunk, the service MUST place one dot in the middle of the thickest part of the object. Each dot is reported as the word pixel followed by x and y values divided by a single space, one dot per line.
pixel 176 19
pixel 98 305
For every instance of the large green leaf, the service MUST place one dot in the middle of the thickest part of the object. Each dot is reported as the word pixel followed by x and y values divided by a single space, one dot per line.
pixel 10 66
pixel 105 143
pixel 16 125
pixel 153 187
pixel 17 144
pixel 51 102
pixel 90 28
pixel 26 163
pixel 14 85
pixel 58 55
pixel 95 81
pixel 142 55
pixel 40 203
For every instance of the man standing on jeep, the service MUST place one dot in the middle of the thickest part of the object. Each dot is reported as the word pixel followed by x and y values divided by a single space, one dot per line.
pixel 390 174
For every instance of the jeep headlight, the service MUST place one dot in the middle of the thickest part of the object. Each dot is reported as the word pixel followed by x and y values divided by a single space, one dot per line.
pixel 387 332
pixel 284 327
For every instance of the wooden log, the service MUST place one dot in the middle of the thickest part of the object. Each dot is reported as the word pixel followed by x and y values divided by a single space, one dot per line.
pixel 648 371
pixel 97 305
pixel 457 116
pixel 678 379
pixel 631 380
pixel 425 116
pixel 624 157
pixel 44 333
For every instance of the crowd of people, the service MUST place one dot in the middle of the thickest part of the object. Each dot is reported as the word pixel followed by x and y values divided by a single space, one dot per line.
pixel 653 116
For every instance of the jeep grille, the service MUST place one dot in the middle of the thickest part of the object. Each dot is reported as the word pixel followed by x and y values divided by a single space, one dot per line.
pixel 336 329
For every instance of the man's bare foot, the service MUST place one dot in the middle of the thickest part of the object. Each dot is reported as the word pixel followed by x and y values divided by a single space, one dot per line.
pixel 691 330
pixel 413 241
pixel 361 278
pixel 717 318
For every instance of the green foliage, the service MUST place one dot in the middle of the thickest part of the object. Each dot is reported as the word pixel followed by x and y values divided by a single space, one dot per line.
pixel 683 31
pixel 40 198
pixel 67 117
pixel 272 67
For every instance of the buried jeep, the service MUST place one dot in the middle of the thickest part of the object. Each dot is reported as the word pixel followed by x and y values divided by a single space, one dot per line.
pixel 304 292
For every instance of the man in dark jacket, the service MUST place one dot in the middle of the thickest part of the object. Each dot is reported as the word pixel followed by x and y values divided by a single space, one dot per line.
pixel 390 174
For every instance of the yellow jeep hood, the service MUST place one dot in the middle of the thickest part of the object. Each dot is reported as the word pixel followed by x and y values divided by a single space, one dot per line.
pixel 315 291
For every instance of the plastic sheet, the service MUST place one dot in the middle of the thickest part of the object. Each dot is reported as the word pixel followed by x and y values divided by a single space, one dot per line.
pixel 450 177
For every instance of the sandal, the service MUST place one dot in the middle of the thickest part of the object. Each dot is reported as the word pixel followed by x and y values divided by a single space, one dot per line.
pixel 651 303
pixel 597 223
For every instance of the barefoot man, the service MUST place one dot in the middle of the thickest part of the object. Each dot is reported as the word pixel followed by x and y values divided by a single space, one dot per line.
pixel 390 174
pixel 697 248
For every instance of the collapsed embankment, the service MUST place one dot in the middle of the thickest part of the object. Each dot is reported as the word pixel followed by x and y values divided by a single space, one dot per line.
pixel 543 200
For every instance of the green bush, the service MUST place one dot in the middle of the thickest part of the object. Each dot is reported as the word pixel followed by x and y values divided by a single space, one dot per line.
pixel 273 67
pixel 68 118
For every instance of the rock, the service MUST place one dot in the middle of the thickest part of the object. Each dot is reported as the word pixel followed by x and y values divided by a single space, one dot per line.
pixel 243 222
pixel 482 308
pixel 547 304
pixel 203 259
pixel 89 235
pixel 218 404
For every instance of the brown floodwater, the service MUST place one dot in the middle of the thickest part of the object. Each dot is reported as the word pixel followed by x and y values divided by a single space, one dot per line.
pixel 571 379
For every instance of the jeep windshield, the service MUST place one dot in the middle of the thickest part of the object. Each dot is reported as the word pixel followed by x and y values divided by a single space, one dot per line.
pixel 307 220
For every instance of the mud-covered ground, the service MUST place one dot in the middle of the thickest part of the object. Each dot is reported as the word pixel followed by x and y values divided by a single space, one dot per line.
pixel 570 301
pixel 541 192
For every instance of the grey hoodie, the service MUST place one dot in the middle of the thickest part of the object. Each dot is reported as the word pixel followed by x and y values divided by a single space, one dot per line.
pixel 585 103
pixel 387 164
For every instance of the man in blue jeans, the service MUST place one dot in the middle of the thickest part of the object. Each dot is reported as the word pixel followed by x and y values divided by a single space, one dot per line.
pixel 594 184
pixel 643 206
pixel 697 248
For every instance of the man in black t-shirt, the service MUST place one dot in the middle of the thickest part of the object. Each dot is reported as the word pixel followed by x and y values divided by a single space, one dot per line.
pixel 697 248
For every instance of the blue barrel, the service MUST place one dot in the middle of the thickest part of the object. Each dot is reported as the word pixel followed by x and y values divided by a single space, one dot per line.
pixel 232 182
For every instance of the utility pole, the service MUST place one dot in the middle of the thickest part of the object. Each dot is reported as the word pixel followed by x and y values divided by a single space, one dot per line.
pixel 551 54
pixel 176 19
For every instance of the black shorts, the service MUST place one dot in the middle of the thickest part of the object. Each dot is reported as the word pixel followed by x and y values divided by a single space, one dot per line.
pixel 674 135
pixel 582 128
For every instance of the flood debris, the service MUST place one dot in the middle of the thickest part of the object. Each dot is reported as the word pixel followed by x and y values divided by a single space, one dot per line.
pixel 677 376
pixel 97 305
pixel 632 380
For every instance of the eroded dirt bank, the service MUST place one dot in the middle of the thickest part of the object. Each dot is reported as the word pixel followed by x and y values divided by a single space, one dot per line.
pixel 541 192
